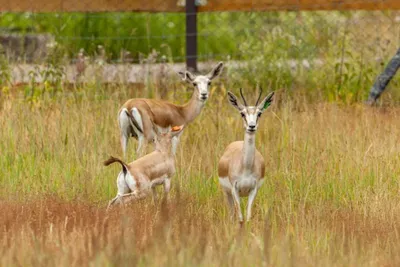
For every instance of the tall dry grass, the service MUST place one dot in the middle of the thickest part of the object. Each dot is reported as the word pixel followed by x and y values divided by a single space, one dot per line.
pixel 331 195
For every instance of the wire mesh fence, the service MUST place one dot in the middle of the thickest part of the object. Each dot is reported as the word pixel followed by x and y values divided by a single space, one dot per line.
pixel 345 49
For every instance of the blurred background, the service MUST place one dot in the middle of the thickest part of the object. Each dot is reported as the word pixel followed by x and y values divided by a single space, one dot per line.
pixel 327 49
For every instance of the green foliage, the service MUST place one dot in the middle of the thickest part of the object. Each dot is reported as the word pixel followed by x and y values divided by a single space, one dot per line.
pixel 321 55
pixel 5 72
pixel 220 34
pixel 139 33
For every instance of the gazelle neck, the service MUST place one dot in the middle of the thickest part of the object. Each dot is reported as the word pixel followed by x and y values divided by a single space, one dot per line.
pixel 249 151
pixel 192 108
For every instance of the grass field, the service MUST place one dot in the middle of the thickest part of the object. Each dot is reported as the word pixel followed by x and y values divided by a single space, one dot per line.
pixel 331 195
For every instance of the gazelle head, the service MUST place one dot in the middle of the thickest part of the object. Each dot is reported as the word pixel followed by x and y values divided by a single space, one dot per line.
pixel 251 114
pixel 202 83
pixel 163 139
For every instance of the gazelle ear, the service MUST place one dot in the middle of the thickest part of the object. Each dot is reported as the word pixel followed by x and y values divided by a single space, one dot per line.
pixel 175 130
pixel 266 102
pixel 187 76
pixel 216 71
pixel 182 75
pixel 234 101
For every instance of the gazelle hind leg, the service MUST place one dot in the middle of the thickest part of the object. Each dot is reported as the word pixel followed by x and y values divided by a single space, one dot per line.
pixel 141 138
pixel 252 196
pixel 141 146
pixel 111 202
pixel 125 128
pixel 124 143
pixel 236 199
pixel 133 196
pixel 231 204
pixel 122 189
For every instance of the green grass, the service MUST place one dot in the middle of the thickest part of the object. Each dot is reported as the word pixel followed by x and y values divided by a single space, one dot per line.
pixel 221 35
pixel 330 195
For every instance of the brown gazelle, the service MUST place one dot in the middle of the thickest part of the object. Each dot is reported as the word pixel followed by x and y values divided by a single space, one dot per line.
pixel 141 176
pixel 162 113
pixel 241 167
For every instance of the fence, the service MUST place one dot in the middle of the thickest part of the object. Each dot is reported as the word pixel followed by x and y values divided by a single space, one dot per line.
pixel 203 5
pixel 348 41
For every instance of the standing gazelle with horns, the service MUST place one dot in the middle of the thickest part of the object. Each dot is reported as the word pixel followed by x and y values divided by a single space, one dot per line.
pixel 164 114
pixel 241 168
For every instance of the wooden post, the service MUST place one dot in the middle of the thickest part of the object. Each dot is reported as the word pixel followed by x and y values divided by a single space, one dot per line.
pixel 191 35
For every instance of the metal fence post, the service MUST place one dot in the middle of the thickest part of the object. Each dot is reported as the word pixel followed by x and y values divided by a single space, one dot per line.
pixel 191 35
pixel 384 78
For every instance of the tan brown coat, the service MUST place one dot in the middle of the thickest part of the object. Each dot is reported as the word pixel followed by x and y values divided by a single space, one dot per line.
pixel 141 176
pixel 147 112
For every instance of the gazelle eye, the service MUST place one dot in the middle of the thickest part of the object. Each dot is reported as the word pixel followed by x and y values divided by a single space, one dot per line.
pixel 259 114
pixel 209 83
pixel 242 115
pixel 194 84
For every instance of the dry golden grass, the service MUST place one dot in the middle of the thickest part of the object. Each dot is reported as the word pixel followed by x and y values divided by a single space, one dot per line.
pixel 331 196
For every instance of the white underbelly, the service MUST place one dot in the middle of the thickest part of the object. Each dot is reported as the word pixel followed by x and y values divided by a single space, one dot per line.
pixel 158 181
pixel 244 185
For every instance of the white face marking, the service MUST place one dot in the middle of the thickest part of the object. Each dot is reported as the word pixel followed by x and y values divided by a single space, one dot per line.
pixel 250 117
pixel 202 84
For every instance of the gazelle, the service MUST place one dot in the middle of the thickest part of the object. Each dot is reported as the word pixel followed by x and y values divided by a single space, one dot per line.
pixel 241 168
pixel 162 113
pixel 141 176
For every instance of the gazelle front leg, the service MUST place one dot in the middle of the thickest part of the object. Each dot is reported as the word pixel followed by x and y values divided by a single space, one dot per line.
pixel 175 142
pixel 236 199
pixel 252 196
pixel 167 186
pixel 231 204
pixel 154 191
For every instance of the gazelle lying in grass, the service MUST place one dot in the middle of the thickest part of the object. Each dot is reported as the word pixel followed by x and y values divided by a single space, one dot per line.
pixel 162 113
pixel 241 167
pixel 141 176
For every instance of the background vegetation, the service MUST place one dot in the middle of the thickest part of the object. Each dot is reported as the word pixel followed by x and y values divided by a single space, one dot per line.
pixel 330 196
pixel 301 34
pixel 329 55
